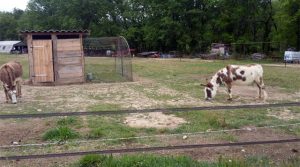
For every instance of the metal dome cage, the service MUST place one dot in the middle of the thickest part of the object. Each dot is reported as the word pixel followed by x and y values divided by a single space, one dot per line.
pixel 109 59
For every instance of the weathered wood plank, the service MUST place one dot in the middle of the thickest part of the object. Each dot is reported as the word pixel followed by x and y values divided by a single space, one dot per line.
pixel 70 69
pixel 68 45
pixel 82 55
pixel 30 56
pixel 42 61
pixel 70 80
pixel 69 75
pixel 73 53
pixel 71 48
pixel 69 61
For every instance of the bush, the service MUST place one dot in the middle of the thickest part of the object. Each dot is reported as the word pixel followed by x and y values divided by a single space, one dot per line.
pixel 136 161
pixel 92 161
pixel 96 133
pixel 61 133
pixel 181 161
pixel 67 121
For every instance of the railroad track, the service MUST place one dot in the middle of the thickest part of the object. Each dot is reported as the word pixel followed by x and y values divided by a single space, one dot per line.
pixel 149 149
pixel 164 110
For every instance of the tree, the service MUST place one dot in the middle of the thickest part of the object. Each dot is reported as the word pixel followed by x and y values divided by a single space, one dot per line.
pixel 288 22
pixel 8 26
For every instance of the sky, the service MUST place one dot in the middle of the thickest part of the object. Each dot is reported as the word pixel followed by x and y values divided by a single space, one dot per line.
pixel 9 5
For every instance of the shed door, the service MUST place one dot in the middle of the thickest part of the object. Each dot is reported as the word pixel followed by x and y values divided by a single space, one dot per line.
pixel 69 61
pixel 43 61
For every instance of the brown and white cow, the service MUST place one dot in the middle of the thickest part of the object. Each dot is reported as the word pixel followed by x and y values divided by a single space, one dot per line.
pixel 235 74
pixel 11 77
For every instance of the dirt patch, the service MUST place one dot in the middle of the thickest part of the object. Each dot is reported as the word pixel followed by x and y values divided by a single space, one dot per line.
pixel 153 120
pixel 22 131
pixel 251 93
pixel 285 114
pixel 276 152
pixel 126 95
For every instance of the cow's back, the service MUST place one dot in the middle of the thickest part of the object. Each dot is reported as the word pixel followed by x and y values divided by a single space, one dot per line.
pixel 16 67
pixel 249 73
pixel 4 75
pixel 11 71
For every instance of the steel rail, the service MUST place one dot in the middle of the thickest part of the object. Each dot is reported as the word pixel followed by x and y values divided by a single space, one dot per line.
pixel 148 149
pixel 164 110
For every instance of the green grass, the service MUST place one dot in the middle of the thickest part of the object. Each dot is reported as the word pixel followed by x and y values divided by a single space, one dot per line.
pixel 186 76
pixel 182 76
pixel 68 121
pixel 216 120
pixel 102 69
pixel 109 127
pixel 135 161
pixel 23 59
pixel 104 107
pixel 61 133
pixel 282 77
pixel 153 92
pixel 148 160
pixel 62 130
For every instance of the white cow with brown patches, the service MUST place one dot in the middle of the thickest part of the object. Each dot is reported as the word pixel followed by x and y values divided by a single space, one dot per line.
pixel 235 74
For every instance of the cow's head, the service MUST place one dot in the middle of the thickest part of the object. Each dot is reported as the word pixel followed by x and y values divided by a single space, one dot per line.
pixel 210 91
pixel 11 92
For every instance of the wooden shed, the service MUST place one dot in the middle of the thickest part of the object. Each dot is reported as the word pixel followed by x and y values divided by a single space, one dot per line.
pixel 55 56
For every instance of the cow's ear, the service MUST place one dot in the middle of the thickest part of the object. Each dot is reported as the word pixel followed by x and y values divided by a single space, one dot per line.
pixel 228 67
pixel 206 79
pixel 204 85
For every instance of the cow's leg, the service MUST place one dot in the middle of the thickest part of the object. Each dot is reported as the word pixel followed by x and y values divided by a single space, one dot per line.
pixel 265 95
pixel 19 93
pixel 6 94
pixel 229 91
pixel 259 91
pixel 260 84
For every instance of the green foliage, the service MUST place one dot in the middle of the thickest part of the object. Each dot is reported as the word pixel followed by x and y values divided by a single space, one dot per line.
pixel 67 121
pixel 109 128
pixel 96 133
pixel 104 107
pixel 163 25
pixel 136 161
pixel 159 161
pixel 61 133
pixel 287 18
pixel 92 161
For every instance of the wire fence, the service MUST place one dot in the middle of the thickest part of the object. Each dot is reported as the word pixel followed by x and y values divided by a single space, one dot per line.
pixel 163 110
pixel 156 148
pixel 148 136
pixel 115 59
pixel 148 149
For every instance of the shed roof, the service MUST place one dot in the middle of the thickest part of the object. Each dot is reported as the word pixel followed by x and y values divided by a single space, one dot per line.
pixel 54 31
